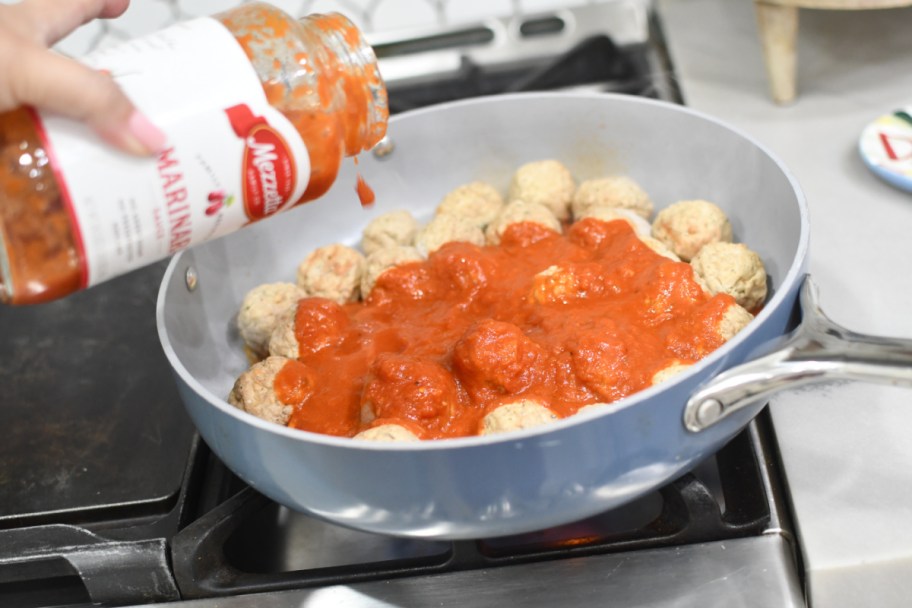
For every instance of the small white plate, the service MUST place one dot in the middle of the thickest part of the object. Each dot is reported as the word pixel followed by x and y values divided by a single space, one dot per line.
pixel 886 147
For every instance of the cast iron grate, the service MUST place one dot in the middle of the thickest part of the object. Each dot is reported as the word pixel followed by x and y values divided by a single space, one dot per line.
pixel 248 544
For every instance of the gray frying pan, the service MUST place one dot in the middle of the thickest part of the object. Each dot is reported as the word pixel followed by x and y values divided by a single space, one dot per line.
pixel 533 479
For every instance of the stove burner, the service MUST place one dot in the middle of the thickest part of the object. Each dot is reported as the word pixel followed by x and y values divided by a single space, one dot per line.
pixel 249 544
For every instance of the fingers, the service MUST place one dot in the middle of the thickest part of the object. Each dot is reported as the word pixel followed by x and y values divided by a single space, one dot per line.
pixel 113 8
pixel 32 75
pixel 49 81
pixel 47 21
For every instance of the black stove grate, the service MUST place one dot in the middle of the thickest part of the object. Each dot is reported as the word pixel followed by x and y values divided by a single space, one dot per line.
pixel 249 544
pixel 108 556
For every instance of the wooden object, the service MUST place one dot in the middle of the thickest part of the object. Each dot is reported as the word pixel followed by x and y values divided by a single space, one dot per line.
pixel 778 25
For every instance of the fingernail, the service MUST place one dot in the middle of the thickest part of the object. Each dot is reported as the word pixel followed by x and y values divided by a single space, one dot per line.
pixel 146 134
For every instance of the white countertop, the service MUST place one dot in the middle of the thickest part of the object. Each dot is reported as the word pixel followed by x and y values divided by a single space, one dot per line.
pixel 847 449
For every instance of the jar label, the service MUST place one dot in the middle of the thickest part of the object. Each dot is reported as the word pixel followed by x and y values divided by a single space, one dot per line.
pixel 231 158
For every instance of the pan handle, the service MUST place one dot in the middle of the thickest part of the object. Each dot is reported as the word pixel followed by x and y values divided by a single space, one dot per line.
pixel 818 350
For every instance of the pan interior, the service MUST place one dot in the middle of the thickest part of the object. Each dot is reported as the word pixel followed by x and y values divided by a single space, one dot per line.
pixel 674 153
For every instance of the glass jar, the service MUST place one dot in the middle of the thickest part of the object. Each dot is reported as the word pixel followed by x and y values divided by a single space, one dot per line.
pixel 259 108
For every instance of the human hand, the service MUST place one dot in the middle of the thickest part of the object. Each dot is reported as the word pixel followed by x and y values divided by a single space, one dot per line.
pixel 32 74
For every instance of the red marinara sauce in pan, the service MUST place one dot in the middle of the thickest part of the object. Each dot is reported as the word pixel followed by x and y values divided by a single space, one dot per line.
pixel 439 343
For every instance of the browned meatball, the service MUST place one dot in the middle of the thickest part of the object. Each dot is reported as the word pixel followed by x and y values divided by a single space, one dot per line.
pixel 317 323
pixel 686 226
pixel 669 293
pixel 262 309
pixel 725 320
pixel 255 391
pixel 735 318
pixel 546 182
pixel 332 272
pixel 517 415
pixel 608 214
pixel 564 283
pixel 734 269
pixel 670 371
pixel 467 268
pixel 381 261
pixel 497 358
pixel 409 388
pixel 388 432
pixel 660 248
pixel 478 202
pixel 601 360
pixel 615 191
pixel 392 229
pixel 516 212
pixel 445 229
pixel 593 407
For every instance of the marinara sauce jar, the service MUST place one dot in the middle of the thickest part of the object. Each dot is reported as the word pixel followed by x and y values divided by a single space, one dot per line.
pixel 259 109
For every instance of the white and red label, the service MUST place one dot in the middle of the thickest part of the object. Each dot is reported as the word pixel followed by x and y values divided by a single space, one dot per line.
pixel 231 157
pixel 269 173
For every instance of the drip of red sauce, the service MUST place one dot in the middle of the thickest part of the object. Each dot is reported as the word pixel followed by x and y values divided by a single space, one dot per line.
pixel 365 192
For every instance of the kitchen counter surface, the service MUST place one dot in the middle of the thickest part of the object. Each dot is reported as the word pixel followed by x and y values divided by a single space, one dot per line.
pixel 846 448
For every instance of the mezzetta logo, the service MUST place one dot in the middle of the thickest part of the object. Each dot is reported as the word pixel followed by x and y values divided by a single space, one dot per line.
pixel 269 172
pixel 264 159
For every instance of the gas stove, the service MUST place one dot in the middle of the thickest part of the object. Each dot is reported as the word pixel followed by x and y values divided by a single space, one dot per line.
pixel 109 497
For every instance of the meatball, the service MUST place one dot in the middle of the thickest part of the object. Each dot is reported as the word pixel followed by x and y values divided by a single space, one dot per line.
pixel 601 358
pixel 495 358
pixel 608 214
pixel 254 391
pixel 660 248
pixel 735 319
pixel 523 414
pixel 262 309
pixel 466 267
pixel 446 229
pixel 592 406
pixel 518 211
pixel 332 272
pixel 614 191
pixel 567 283
pixel 387 432
pixel 410 388
pixel 284 342
pixel 477 202
pixel 734 269
pixel 546 182
pixel 317 323
pixel 669 371
pixel 555 284
pixel 669 293
pixel 718 322
pixel 384 259
pixel 686 226
pixel 389 230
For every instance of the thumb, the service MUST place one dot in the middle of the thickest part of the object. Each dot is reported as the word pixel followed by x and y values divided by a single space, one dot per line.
pixel 52 82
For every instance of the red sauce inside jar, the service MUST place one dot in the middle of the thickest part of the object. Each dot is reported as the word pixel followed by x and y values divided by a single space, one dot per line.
pixel 316 73
pixel 439 343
